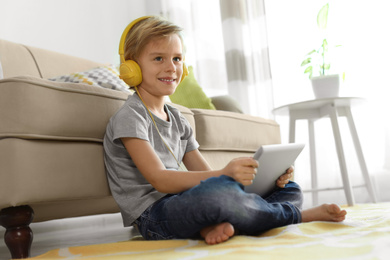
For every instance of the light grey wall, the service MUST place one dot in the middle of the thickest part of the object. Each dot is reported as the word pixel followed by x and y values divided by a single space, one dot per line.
pixel 89 29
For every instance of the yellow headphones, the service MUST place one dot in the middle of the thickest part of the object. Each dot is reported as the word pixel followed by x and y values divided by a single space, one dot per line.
pixel 129 70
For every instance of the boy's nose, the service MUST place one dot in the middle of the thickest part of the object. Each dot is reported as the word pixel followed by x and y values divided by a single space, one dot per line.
pixel 170 66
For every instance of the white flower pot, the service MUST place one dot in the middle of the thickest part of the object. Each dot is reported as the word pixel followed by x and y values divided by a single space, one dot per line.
pixel 326 86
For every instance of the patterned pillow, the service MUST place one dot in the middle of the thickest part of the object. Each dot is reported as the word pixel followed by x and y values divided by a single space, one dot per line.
pixel 106 77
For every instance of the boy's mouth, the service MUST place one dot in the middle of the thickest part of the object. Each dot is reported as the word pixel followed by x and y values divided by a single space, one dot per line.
pixel 168 80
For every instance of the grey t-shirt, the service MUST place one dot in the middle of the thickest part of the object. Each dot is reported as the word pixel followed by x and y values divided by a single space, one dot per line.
pixel 133 193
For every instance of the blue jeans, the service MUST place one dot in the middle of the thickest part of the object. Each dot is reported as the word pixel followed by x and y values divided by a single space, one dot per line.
pixel 217 200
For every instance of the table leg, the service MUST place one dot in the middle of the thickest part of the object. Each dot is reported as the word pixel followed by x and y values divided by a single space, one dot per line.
pixel 291 138
pixel 340 152
pixel 360 155
pixel 313 163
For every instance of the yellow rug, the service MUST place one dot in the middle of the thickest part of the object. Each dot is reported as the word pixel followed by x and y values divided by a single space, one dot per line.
pixel 365 234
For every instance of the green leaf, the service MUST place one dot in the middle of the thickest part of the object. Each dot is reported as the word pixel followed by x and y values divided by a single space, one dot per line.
pixel 309 69
pixel 305 62
pixel 322 17
pixel 310 53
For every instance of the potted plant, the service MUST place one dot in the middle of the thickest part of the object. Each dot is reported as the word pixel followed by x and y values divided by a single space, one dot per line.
pixel 317 63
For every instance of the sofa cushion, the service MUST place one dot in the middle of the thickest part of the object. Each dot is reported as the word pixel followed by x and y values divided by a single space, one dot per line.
pixel 229 131
pixel 104 76
pixel 36 108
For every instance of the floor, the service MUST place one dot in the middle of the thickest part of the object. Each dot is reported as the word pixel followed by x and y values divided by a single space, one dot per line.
pixel 73 232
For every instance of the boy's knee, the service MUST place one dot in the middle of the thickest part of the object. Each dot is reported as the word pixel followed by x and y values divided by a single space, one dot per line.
pixel 216 191
pixel 222 181
pixel 294 186
pixel 220 185
pixel 296 194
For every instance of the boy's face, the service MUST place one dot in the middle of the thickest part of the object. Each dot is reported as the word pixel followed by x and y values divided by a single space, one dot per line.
pixel 161 63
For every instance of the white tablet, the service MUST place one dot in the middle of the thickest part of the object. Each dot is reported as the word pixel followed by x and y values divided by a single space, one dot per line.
pixel 273 160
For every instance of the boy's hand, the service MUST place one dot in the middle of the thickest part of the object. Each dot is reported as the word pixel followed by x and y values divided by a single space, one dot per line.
pixel 285 178
pixel 242 170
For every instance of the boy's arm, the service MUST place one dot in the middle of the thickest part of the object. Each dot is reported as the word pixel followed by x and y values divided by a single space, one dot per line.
pixel 154 171
pixel 170 181
pixel 194 161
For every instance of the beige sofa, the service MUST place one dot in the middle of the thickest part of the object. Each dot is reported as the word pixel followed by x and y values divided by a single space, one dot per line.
pixel 51 157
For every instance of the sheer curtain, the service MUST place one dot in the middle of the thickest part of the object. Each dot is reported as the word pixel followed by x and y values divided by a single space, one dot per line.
pixel 229 57
pixel 201 22
pixel 247 57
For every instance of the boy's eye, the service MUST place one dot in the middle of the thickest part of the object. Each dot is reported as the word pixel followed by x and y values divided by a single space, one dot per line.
pixel 177 59
pixel 158 58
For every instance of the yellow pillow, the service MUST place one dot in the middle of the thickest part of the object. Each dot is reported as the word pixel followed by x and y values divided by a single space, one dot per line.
pixel 190 94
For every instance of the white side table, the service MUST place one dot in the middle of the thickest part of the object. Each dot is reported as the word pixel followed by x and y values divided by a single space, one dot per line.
pixel 332 108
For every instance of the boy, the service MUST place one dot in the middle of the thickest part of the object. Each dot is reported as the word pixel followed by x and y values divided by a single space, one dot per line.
pixel 146 140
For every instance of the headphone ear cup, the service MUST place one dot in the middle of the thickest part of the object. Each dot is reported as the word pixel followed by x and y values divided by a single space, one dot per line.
pixel 130 72
pixel 185 72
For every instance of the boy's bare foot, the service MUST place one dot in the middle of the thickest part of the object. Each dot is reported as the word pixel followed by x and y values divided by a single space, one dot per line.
pixel 325 212
pixel 218 233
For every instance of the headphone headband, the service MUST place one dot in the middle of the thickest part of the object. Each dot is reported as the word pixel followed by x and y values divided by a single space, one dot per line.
pixel 124 34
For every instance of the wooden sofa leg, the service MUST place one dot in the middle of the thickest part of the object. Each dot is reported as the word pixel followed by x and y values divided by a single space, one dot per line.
pixel 18 236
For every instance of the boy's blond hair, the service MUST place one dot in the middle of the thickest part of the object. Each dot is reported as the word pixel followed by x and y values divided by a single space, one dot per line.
pixel 145 31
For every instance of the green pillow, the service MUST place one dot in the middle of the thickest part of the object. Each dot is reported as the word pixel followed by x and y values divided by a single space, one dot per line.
pixel 190 94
